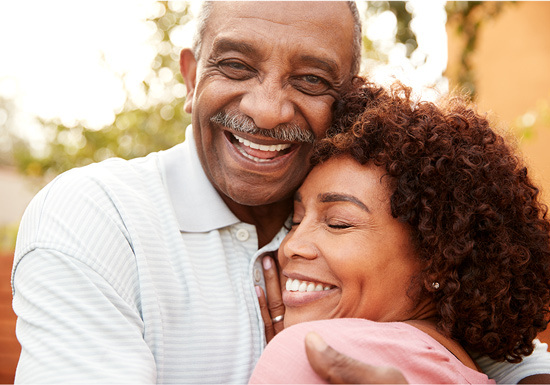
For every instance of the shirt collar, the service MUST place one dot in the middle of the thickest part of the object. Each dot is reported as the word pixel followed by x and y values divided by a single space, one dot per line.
pixel 197 204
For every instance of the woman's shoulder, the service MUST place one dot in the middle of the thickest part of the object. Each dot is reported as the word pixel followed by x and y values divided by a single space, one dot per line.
pixel 419 356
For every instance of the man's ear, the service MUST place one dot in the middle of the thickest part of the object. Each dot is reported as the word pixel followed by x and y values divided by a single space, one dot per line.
pixel 188 68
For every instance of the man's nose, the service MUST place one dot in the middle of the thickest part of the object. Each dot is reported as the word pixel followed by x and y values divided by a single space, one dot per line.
pixel 268 104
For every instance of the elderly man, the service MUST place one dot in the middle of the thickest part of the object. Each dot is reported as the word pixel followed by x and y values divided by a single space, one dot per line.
pixel 144 271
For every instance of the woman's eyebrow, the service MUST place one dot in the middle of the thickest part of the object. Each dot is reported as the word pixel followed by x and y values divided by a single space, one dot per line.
pixel 339 197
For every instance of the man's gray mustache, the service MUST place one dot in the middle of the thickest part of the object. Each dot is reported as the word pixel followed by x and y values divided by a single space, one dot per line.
pixel 287 132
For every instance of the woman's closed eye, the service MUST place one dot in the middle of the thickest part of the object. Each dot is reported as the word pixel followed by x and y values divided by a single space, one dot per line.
pixel 339 225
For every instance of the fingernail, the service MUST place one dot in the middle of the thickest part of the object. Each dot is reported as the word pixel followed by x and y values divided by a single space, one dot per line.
pixel 267 263
pixel 316 342
pixel 258 291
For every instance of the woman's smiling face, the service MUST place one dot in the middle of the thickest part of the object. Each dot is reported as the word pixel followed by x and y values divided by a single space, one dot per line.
pixel 346 256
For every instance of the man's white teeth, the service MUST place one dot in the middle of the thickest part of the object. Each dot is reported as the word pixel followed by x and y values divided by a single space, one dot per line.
pixel 304 286
pixel 254 158
pixel 261 147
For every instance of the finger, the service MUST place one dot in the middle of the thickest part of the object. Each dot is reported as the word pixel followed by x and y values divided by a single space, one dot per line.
pixel 273 289
pixel 337 368
pixel 269 330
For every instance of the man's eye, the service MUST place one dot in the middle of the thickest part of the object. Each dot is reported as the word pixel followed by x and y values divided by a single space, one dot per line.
pixel 234 65
pixel 235 70
pixel 311 84
pixel 313 79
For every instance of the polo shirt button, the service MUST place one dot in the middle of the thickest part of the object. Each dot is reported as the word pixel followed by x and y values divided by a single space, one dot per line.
pixel 257 275
pixel 242 235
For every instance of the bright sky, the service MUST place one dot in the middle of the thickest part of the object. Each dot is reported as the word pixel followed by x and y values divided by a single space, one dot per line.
pixel 63 58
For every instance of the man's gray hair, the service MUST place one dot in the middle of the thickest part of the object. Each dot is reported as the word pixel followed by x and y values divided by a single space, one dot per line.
pixel 206 10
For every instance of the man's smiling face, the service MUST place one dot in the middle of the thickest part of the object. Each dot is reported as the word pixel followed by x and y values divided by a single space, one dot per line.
pixel 267 78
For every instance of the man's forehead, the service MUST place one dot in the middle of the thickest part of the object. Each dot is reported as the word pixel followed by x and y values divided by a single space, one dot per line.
pixel 305 25
pixel 281 12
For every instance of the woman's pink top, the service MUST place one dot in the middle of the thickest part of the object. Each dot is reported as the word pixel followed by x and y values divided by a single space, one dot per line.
pixel 420 358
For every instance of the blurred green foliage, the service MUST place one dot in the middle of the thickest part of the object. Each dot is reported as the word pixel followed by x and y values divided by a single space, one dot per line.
pixel 137 130
pixel 134 133
pixel 8 235
pixel 404 34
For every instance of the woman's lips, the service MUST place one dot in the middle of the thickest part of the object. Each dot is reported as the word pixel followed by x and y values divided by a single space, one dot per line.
pixel 300 292
pixel 307 286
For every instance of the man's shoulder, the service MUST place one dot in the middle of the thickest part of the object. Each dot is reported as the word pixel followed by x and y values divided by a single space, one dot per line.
pixel 112 177
pixel 101 191
pixel 120 172
pixel 114 201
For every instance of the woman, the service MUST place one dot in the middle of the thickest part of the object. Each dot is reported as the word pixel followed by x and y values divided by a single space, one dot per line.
pixel 422 219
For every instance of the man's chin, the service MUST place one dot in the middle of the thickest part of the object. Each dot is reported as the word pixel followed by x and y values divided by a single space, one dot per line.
pixel 261 193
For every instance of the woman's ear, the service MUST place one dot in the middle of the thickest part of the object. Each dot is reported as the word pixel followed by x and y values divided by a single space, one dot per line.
pixel 188 69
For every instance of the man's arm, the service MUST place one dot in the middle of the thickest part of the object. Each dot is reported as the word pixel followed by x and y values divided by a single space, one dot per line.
pixel 337 368
pixel 76 292
pixel 536 379
pixel 532 370
pixel 74 327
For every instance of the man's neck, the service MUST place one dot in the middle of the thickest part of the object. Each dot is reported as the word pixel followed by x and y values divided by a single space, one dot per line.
pixel 268 219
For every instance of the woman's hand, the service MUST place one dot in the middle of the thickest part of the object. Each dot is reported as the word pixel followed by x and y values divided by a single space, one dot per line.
pixel 272 308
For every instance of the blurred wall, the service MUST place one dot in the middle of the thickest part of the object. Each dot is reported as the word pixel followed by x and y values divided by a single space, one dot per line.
pixel 9 346
pixel 512 68
pixel 16 192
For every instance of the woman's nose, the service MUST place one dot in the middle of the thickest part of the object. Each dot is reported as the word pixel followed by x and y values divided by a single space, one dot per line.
pixel 300 243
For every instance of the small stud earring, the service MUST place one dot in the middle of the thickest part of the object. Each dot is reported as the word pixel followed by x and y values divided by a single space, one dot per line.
pixel 435 285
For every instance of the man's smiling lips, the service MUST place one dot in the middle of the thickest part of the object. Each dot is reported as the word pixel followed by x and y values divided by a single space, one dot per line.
pixel 258 152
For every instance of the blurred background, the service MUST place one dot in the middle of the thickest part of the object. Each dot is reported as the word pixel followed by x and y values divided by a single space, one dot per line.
pixel 84 81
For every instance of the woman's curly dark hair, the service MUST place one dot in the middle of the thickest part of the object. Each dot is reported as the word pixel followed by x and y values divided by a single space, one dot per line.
pixel 474 213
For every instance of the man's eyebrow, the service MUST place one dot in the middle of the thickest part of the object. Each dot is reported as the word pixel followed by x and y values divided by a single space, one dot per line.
pixel 338 197
pixel 226 45
pixel 325 64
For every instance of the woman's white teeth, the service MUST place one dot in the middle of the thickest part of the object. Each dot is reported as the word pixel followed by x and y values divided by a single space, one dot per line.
pixel 262 147
pixel 304 286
